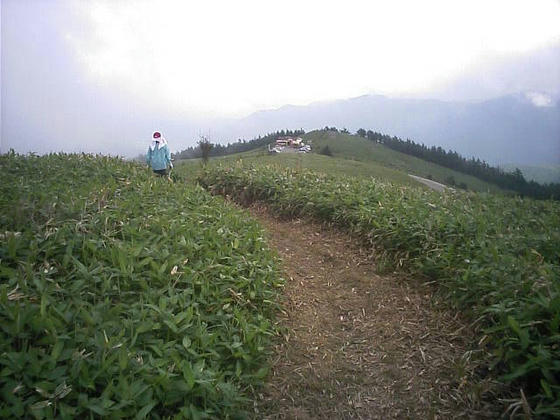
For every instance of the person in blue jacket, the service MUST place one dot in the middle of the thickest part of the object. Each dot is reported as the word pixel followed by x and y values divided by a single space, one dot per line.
pixel 158 156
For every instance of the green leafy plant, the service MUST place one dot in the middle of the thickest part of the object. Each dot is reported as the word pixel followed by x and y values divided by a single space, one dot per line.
pixel 124 295
pixel 497 258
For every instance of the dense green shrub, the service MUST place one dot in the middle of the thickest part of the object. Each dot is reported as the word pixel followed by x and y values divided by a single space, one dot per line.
pixel 124 295
pixel 495 257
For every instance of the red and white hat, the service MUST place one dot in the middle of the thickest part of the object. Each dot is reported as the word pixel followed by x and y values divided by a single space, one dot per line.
pixel 157 135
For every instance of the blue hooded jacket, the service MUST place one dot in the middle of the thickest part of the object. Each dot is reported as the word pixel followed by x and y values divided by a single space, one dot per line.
pixel 158 156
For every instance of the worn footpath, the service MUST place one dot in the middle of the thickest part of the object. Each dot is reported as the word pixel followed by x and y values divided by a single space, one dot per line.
pixel 360 345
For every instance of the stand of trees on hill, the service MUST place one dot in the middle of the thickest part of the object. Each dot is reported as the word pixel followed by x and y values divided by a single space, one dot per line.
pixel 514 181
pixel 240 146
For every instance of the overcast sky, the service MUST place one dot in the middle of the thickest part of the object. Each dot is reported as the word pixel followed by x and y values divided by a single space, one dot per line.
pixel 100 75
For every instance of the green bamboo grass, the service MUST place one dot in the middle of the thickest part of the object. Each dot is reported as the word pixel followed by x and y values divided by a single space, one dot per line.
pixel 123 295
pixel 496 258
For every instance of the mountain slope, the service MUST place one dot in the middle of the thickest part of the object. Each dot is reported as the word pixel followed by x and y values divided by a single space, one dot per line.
pixel 509 129
pixel 351 147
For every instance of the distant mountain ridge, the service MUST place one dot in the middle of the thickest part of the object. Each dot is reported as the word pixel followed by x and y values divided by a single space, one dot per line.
pixel 508 129
pixel 540 174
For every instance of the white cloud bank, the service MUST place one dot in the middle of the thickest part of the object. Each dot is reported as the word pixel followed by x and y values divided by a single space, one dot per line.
pixel 234 57
pixel 540 99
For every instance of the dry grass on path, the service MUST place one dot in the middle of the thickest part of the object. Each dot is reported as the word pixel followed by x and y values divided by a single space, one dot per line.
pixel 360 345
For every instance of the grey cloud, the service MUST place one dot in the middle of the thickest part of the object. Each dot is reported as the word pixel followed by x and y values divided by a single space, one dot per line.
pixel 533 71
pixel 48 104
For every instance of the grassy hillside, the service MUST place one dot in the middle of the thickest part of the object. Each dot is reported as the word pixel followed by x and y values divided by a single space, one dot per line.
pixel 338 166
pixel 358 157
pixel 353 147
pixel 124 295
pixel 319 163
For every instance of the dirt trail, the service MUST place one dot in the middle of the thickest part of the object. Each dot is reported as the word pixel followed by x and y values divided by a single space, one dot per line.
pixel 360 345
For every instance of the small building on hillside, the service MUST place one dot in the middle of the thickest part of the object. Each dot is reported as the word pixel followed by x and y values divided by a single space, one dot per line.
pixel 289 141
pixel 289 145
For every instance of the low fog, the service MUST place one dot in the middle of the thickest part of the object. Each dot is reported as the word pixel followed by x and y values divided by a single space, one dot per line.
pixel 50 102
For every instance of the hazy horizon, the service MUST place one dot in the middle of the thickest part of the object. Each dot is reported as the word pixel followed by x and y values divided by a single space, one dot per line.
pixel 100 76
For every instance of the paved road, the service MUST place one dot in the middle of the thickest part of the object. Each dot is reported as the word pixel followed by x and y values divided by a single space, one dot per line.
pixel 432 184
